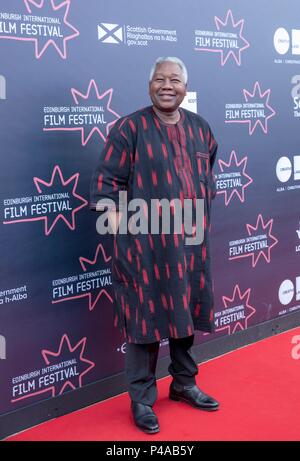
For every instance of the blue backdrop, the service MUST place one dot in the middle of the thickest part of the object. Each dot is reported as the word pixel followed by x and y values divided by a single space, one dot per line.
pixel 68 70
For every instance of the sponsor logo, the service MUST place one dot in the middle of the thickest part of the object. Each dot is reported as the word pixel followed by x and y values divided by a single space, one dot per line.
pixel 164 342
pixel 288 173
pixel 289 291
pixel 287 41
pixel 227 39
pixel 295 93
pixel 91 114
pixel 110 33
pixel 13 295
pixel 297 247
pixel 284 169
pixel 233 179
pixel 45 23
pixel 133 35
pixel 281 40
pixel 190 101
pixel 286 291
pixel 122 348
pixel 258 244
pixel 255 111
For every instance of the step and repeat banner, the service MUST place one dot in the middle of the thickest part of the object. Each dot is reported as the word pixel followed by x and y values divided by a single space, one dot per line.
pixel 68 70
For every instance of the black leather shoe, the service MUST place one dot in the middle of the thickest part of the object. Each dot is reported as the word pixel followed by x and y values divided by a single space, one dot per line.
pixel 194 396
pixel 144 418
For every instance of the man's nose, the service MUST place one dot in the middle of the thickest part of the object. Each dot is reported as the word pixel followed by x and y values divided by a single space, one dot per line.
pixel 167 83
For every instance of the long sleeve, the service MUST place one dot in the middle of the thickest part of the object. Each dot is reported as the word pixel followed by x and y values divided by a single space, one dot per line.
pixel 112 172
pixel 213 149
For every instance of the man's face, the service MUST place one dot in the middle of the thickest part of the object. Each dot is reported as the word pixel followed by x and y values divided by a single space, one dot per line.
pixel 167 88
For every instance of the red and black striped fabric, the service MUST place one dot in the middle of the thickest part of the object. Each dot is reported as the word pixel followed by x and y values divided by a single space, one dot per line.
pixel 163 287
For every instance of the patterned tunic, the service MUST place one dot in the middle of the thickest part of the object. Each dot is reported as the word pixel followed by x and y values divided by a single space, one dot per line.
pixel 162 287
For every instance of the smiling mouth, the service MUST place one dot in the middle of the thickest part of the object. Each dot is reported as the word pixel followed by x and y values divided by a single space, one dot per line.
pixel 166 96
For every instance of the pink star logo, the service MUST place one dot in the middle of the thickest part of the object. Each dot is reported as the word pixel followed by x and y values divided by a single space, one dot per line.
pixel 258 96
pixel 234 165
pixel 232 27
pixel 71 376
pixel 238 299
pixel 59 181
pixel 73 182
pixel 65 350
pixel 260 229
pixel 106 97
pixel 100 257
pixel 93 97
pixel 49 8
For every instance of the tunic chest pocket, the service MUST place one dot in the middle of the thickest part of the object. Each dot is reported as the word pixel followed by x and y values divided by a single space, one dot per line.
pixel 203 165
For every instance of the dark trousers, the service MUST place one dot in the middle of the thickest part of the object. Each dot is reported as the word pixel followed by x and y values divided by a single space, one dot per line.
pixel 140 367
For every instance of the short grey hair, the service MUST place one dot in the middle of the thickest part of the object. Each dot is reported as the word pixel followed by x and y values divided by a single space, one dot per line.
pixel 169 59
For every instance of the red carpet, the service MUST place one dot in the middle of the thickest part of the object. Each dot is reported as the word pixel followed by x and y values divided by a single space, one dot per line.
pixel 258 387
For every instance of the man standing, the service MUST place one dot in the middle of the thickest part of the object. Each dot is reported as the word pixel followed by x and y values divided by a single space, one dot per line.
pixel 162 284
